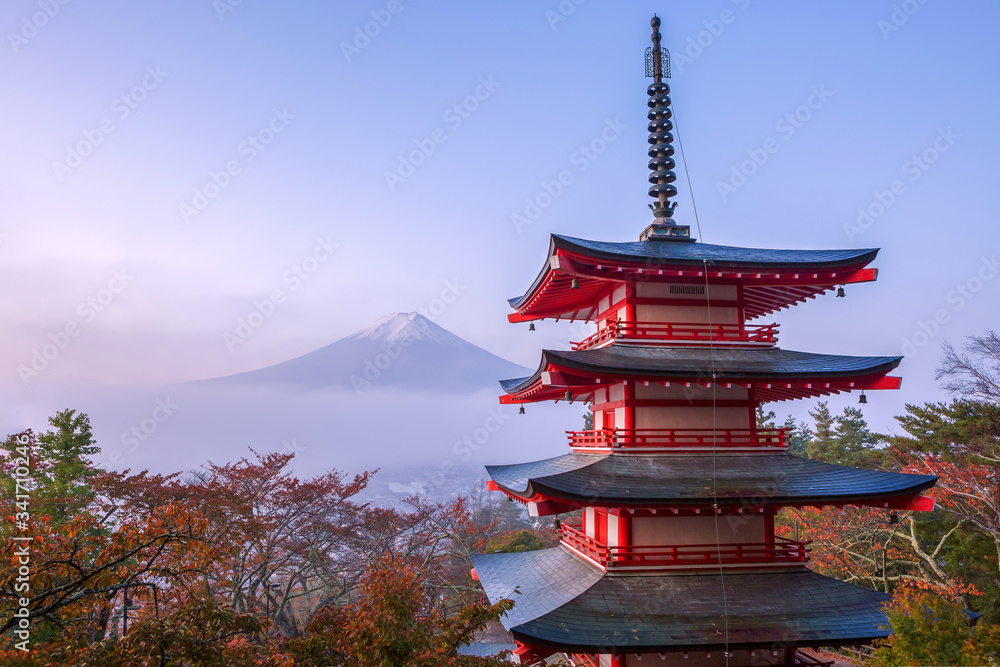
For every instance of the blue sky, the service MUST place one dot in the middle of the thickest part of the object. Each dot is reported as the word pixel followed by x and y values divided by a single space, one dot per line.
pixel 256 116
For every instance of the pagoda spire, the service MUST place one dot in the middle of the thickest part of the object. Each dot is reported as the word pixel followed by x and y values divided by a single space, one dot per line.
pixel 661 146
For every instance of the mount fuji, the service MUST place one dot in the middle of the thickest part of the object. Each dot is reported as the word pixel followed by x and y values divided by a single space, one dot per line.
pixel 402 351
pixel 402 394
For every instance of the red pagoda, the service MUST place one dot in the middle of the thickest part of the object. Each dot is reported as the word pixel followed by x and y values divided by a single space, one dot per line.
pixel 676 560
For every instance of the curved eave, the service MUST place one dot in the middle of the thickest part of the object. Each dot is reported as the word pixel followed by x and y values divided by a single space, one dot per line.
pixel 773 373
pixel 560 607
pixel 639 482
pixel 773 279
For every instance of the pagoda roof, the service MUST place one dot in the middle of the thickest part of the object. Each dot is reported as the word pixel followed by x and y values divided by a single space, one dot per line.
pixel 565 604
pixel 679 480
pixel 767 370
pixel 773 278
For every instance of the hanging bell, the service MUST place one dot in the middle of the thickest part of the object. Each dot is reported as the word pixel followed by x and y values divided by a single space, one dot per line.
pixel 863 400
pixel 531 327
pixel 521 410
pixel 840 293
pixel 574 284
pixel 557 524
pixel 569 395
pixel 893 517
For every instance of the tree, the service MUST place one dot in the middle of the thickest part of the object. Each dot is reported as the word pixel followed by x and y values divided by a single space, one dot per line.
pixel 516 542
pixel 866 546
pixel 843 440
pixel 959 443
pixel 395 623
pixel 797 435
pixel 199 633
pixel 61 473
pixel 930 629
pixel 975 372
pixel 765 419
pixel 284 546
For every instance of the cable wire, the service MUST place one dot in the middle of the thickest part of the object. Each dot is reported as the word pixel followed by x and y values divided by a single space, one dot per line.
pixel 687 174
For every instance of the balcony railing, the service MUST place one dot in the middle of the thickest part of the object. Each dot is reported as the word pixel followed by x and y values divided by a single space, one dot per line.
pixel 684 555
pixel 671 333
pixel 676 438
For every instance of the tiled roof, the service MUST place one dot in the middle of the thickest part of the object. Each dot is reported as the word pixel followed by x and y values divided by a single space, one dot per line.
pixel 679 479
pixel 719 255
pixel 658 254
pixel 725 363
pixel 560 608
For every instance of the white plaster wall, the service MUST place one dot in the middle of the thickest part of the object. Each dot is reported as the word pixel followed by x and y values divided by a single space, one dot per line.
pixel 612 530
pixel 669 529
pixel 686 314
pixel 692 418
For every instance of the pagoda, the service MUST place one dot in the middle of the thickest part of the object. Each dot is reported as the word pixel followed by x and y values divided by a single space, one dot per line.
pixel 675 559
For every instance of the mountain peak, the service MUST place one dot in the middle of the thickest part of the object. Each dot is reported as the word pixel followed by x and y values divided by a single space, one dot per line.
pixel 401 351
pixel 409 327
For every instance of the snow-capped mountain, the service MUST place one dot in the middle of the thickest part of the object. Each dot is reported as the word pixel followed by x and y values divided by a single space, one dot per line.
pixel 403 351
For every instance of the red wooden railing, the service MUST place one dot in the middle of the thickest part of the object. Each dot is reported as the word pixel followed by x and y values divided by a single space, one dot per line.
pixel 782 551
pixel 622 438
pixel 681 332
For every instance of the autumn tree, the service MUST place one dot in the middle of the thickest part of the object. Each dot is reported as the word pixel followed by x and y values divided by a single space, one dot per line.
pixel 284 545
pixel 931 629
pixel 396 622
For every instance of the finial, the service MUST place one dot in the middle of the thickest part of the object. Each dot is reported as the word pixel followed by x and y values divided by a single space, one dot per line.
pixel 661 147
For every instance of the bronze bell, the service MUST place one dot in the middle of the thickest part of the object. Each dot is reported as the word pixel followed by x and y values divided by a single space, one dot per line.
pixel 840 293
pixel 863 400
pixel 521 410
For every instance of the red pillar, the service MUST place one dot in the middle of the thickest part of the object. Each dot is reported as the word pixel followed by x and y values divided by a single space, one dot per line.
pixel 617 660
pixel 629 421
pixel 769 513
pixel 630 302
